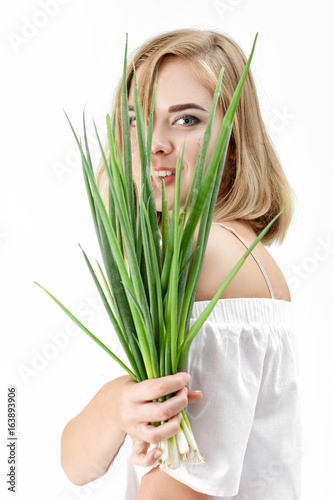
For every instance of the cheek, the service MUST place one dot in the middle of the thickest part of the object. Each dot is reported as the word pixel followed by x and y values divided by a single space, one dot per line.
pixel 136 164
pixel 192 150
pixel 212 143
pixel 210 152
pixel 134 142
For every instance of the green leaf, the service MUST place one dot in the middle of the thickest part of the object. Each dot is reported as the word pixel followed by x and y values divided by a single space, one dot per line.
pixel 184 348
pixel 165 220
pixel 91 335
pixel 127 145
pixel 133 358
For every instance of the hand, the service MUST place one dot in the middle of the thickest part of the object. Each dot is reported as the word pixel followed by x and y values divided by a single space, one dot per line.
pixel 137 410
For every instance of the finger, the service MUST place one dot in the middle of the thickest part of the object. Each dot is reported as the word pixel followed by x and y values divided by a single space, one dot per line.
pixel 154 435
pixel 141 457
pixel 194 396
pixel 161 411
pixel 155 388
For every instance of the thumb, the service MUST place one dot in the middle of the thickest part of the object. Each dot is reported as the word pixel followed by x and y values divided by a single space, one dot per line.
pixel 140 455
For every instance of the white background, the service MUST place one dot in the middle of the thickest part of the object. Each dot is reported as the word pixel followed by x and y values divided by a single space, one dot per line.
pixel 71 56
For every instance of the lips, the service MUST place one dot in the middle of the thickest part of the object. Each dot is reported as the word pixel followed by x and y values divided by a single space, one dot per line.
pixel 167 175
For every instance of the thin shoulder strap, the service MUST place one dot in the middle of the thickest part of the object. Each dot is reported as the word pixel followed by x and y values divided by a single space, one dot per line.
pixel 253 255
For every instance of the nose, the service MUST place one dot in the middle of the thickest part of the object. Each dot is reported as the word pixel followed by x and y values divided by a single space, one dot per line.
pixel 161 141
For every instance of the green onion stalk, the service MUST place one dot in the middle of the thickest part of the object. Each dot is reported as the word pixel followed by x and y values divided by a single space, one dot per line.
pixel 150 277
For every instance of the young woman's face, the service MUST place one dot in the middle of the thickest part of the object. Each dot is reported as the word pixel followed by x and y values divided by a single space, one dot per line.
pixel 182 106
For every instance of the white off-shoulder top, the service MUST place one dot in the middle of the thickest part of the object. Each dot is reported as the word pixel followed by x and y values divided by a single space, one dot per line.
pixel 247 425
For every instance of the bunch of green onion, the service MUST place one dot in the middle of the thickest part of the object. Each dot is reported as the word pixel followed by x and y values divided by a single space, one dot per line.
pixel 148 296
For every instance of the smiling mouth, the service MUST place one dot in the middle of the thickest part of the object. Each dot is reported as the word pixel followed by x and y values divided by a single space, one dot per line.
pixel 164 173
pixel 168 176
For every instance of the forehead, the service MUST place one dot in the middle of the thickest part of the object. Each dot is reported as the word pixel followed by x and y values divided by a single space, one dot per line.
pixel 176 84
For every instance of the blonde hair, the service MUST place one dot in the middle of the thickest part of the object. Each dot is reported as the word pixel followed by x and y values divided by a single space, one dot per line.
pixel 254 186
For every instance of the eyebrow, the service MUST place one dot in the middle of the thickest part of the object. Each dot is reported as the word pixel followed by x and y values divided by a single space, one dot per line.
pixel 181 107
pixel 178 107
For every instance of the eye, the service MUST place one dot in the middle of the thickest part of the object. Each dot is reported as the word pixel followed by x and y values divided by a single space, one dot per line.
pixel 187 120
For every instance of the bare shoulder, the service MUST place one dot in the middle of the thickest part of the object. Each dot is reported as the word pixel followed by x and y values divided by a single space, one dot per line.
pixel 223 251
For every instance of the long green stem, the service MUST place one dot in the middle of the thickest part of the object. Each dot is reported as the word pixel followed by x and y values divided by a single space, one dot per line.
pixel 88 332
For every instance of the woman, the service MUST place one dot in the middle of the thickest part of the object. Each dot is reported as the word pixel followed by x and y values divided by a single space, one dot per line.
pixel 243 388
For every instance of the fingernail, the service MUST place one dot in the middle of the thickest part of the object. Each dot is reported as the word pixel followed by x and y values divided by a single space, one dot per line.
pixel 180 416
pixel 157 454
pixel 186 389
pixel 197 391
